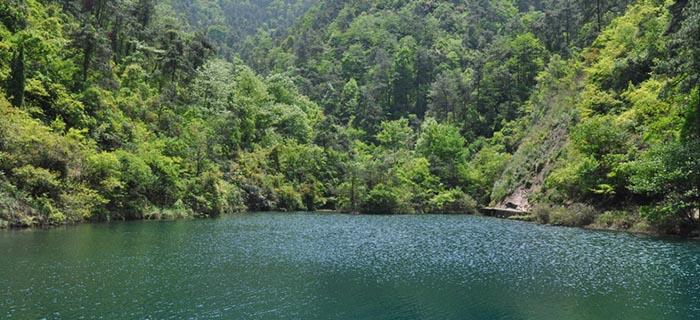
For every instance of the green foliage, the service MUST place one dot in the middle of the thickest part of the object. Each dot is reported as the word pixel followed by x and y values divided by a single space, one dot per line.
pixel 483 170
pixel 159 110
pixel 443 146
pixel 626 50
pixel 684 52
pixel 536 139
pixel 16 81
pixel 627 132
pixel 231 24
pixel 416 184
pixel 670 174
pixel 382 200
pixel 577 215
pixel 452 201
pixel 210 195
pixel 37 181
pixel 616 220
pixel 395 135
pixel 15 207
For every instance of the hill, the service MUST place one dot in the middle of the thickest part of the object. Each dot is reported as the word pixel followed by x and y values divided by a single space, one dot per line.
pixel 582 112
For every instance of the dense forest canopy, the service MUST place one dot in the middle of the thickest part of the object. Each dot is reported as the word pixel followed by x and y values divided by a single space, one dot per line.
pixel 232 24
pixel 580 112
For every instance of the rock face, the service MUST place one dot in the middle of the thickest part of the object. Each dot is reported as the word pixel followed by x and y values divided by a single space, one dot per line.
pixel 518 200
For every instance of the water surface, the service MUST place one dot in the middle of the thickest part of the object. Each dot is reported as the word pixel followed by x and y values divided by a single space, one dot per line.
pixel 327 266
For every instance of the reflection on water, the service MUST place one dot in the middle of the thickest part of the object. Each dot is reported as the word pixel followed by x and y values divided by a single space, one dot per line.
pixel 313 266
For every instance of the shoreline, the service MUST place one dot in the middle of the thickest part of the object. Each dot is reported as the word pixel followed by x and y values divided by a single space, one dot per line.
pixel 521 218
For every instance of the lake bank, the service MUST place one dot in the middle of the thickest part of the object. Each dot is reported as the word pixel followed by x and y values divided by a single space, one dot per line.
pixel 598 224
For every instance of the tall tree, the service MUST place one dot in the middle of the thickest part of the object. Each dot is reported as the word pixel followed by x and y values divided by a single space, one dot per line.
pixel 404 78
pixel 16 81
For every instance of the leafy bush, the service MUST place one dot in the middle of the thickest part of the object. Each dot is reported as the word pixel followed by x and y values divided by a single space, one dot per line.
pixel 453 201
pixel 576 215
pixel 177 211
pixel 37 181
pixel 288 199
pixel 481 172
pixel 15 207
pixel 381 200
pixel 209 195
pixel 617 220
pixel 669 172
pixel 80 202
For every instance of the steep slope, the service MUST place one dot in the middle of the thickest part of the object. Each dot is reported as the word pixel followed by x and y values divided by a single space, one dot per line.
pixel 471 62
pixel 114 110
pixel 547 127
pixel 585 112
pixel 608 139
pixel 230 23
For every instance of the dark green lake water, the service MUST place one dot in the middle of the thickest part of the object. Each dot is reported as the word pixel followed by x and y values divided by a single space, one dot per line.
pixel 313 266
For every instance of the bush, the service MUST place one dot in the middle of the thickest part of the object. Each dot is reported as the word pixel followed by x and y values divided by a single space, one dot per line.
pixel 49 213
pixel 210 195
pixel 581 214
pixel 37 181
pixel 288 199
pixel 481 173
pixel 541 213
pixel 258 198
pixel 576 215
pixel 617 220
pixel 15 208
pixel 452 201
pixel 79 202
pixel 177 211
pixel 381 200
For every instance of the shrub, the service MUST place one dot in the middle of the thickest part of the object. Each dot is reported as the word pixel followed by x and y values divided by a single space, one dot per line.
pixel 481 173
pixel 37 181
pixel 288 199
pixel 79 202
pixel 541 213
pixel 582 214
pixel 15 208
pixel 618 220
pixel 258 198
pixel 381 199
pixel 452 201
pixel 210 195
pixel 49 213
pixel 177 211
pixel 576 215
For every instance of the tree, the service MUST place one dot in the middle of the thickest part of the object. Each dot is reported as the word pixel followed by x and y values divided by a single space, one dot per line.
pixel 173 56
pixel 395 135
pixel 684 53
pixel 404 79
pixel 16 80
pixel 670 174
pixel 144 11
pixel 350 101
pixel 449 98
pixel 212 88
pixel 444 147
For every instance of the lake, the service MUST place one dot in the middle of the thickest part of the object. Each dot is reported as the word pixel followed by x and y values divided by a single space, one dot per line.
pixel 332 266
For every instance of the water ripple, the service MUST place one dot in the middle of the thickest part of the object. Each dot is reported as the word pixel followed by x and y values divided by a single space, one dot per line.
pixel 316 266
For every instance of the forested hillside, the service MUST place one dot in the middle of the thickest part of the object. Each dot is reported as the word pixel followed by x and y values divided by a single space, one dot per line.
pixel 231 25
pixel 580 112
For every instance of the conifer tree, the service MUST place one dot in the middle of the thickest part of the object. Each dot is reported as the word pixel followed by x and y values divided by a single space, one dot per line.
pixel 16 80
